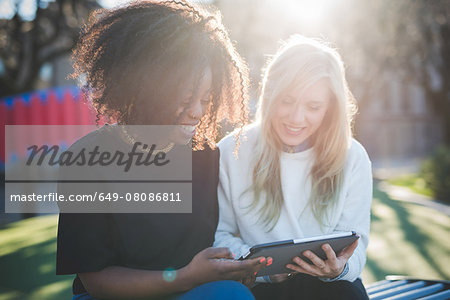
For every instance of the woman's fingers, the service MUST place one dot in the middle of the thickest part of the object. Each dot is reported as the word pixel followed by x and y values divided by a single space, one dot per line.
pixel 299 269
pixel 348 251
pixel 331 267
pixel 248 266
pixel 317 261
pixel 295 268
pixel 242 273
pixel 310 269
pixel 331 255
pixel 222 252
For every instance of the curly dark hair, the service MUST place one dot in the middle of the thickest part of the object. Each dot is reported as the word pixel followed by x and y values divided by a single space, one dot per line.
pixel 137 57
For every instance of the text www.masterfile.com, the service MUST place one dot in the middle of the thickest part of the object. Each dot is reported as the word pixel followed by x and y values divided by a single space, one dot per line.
pixel 102 197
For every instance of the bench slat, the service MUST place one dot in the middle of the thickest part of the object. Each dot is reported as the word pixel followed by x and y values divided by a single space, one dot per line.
pixel 377 284
pixel 414 294
pixel 439 296
pixel 386 286
pixel 398 290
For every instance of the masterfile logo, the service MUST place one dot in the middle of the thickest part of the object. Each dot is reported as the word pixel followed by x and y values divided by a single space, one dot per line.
pixel 102 171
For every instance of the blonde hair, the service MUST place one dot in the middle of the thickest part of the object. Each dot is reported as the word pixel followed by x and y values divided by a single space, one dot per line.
pixel 301 62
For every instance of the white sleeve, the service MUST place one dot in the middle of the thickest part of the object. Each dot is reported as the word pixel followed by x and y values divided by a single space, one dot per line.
pixel 356 213
pixel 227 229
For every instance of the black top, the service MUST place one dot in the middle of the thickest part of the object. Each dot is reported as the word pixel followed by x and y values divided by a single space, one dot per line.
pixel 89 242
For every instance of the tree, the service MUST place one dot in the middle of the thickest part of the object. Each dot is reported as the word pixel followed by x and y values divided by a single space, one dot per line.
pixel 412 39
pixel 409 39
pixel 433 21
pixel 26 45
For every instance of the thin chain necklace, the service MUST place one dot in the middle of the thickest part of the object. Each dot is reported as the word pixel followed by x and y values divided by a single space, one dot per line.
pixel 133 141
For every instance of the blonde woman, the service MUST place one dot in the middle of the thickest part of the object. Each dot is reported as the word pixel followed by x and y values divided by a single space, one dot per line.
pixel 299 173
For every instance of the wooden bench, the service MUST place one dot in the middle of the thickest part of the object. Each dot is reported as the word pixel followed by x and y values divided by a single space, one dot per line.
pixel 405 288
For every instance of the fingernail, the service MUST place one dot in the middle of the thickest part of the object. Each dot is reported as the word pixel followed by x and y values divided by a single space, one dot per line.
pixel 269 261
pixel 262 260
pixel 255 273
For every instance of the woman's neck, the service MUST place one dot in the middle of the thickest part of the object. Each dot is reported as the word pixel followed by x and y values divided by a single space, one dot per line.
pixel 297 148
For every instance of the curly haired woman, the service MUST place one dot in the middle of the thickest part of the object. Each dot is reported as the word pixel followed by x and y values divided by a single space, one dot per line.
pixel 158 63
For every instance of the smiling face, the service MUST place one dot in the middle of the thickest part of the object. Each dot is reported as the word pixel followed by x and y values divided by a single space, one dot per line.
pixel 297 115
pixel 192 108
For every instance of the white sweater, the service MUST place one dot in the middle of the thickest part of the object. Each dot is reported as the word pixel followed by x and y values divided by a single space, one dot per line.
pixel 239 228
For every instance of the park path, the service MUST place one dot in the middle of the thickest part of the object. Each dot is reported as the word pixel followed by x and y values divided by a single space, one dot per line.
pixel 401 193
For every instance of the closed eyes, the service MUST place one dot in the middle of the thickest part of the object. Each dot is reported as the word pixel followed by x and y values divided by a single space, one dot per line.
pixel 312 106
pixel 315 107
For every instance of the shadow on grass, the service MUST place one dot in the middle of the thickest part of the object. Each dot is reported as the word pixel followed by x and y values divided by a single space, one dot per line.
pixel 411 232
pixel 29 268
pixel 377 272
pixel 29 271
pixel 374 218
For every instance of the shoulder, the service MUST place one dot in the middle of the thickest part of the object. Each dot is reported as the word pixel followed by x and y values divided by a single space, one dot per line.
pixel 82 146
pixel 205 167
pixel 207 155
pixel 247 139
pixel 357 154
pixel 95 137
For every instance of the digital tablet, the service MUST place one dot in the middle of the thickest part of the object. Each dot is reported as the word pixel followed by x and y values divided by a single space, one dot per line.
pixel 283 252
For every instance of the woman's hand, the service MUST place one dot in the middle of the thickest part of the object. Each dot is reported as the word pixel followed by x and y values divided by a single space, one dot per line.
pixel 249 281
pixel 115 282
pixel 329 268
pixel 214 264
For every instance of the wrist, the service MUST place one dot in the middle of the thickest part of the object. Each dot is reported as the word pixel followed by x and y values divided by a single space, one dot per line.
pixel 184 280
pixel 338 277
pixel 338 273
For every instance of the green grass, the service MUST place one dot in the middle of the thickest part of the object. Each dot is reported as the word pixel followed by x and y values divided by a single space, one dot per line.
pixel 406 239
pixel 414 182
pixel 27 261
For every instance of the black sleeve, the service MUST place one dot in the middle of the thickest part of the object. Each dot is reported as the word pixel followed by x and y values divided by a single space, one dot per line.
pixel 84 244
pixel 85 241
